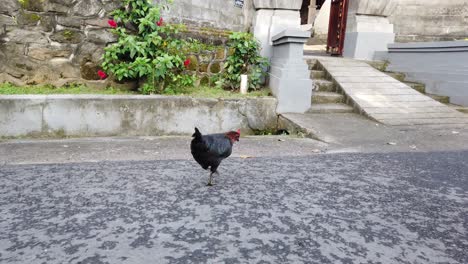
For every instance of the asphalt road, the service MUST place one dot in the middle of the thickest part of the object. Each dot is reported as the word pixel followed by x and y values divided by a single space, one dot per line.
pixel 323 208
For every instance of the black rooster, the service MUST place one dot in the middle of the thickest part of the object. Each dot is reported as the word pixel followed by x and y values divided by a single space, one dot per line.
pixel 210 150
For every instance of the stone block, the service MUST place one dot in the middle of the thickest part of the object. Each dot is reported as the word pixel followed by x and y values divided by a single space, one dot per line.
pixel 89 70
pixel 26 36
pixel 215 67
pixel 203 67
pixel 40 52
pixel 70 36
pixel 193 66
pixel 9 6
pixel 86 8
pixel 69 21
pixel 102 36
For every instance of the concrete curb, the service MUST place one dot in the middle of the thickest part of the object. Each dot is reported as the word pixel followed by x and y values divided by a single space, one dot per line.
pixel 130 115
pixel 295 128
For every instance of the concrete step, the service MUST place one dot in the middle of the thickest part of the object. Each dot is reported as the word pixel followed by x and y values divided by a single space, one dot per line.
pixel 459 108
pixel 420 87
pixel 397 75
pixel 317 75
pixel 313 63
pixel 440 98
pixel 327 98
pixel 324 86
pixel 330 108
pixel 379 65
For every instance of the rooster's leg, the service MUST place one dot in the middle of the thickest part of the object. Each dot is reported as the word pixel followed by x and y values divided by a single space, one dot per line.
pixel 209 181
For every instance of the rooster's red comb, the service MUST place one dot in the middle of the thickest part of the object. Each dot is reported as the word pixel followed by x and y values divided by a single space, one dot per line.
pixel 238 131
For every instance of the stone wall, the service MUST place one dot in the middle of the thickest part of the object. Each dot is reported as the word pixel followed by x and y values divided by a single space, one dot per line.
pixel 430 20
pixel 60 42
pixel 52 41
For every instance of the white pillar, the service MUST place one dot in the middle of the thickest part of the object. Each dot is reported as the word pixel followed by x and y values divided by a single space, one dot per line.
pixel 368 29
pixel 273 16
pixel 312 12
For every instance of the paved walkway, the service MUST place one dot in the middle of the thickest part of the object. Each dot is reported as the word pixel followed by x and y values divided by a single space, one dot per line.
pixel 386 99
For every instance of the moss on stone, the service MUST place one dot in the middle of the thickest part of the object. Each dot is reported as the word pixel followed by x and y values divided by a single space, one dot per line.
pixel 215 67
pixel 193 66
pixel 203 67
pixel 206 57
pixel 35 5
pixel 67 34
pixel 33 17
pixel 220 54
pixel 27 18
pixel 205 81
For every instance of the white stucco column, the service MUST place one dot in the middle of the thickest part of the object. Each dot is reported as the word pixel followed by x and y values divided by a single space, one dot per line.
pixel 367 28
pixel 312 12
pixel 272 17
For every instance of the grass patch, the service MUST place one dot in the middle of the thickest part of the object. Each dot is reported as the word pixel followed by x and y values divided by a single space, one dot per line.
pixel 199 92
pixel 7 88
pixel 214 92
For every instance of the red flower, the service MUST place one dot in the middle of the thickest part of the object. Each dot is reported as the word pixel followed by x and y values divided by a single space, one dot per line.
pixel 112 23
pixel 186 62
pixel 102 74
pixel 160 22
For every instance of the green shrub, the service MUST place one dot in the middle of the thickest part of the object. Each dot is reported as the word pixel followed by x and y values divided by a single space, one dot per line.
pixel 147 48
pixel 244 58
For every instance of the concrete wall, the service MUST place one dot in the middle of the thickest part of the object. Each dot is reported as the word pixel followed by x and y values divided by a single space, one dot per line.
pixel 212 13
pixel 417 20
pixel 441 66
pixel 430 20
pixel 104 115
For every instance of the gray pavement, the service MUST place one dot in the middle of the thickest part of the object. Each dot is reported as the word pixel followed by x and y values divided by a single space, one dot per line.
pixel 277 200
pixel 355 133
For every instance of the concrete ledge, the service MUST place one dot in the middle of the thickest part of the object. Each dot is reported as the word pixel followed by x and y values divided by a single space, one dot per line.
pixel 440 46
pixel 125 115
pixel 441 66
pixel 290 35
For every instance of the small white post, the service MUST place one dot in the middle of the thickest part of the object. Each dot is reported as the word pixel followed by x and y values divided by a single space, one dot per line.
pixel 244 84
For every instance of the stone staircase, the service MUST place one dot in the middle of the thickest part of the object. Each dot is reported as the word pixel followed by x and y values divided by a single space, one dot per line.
pixel 326 96
pixel 420 87
pixel 344 85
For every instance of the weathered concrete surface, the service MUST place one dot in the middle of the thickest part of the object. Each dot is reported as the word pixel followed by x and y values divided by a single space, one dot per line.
pixel 212 14
pixel 355 133
pixel 430 20
pixel 346 208
pixel 384 98
pixel 109 115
